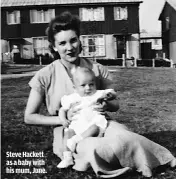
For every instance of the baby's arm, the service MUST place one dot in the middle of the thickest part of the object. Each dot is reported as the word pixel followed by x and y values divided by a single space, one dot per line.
pixel 63 117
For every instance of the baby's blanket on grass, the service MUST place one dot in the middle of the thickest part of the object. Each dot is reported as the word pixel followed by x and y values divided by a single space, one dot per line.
pixel 119 151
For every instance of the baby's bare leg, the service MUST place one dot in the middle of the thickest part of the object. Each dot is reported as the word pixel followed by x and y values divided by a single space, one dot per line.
pixel 92 131
pixel 67 135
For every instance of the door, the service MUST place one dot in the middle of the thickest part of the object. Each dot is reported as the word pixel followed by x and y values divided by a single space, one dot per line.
pixel 121 46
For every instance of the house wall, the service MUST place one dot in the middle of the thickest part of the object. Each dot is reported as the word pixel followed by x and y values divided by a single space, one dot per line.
pixel 109 27
pixel 172 47
pixel 5 55
pixel 133 46
pixel 111 53
pixel 168 35
pixel 27 49
pixel 172 37
pixel 173 28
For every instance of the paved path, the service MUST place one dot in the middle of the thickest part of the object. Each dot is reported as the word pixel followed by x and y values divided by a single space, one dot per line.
pixel 8 76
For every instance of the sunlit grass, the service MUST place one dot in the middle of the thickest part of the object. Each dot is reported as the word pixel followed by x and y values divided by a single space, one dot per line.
pixel 147 106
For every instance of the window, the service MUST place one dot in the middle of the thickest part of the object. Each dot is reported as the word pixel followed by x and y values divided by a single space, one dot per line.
pixel 93 45
pixel 40 45
pixel 91 14
pixel 120 13
pixel 41 16
pixel 167 21
pixel 13 17
pixel 156 41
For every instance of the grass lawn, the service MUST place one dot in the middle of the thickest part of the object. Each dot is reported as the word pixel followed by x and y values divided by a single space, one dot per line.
pixel 18 69
pixel 148 106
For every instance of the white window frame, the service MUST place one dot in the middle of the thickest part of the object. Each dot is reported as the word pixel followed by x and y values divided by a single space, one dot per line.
pixel 41 16
pixel 15 15
pixel 99 45
pixel 42 46
pixel 120 13
pixel 92 14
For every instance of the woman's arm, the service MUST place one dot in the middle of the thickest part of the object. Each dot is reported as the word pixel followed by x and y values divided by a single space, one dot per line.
pixel 32 115
pixel 107 83
pixel 63 117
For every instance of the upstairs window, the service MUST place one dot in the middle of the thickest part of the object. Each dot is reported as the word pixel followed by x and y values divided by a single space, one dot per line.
pixel 41 16
pixel 13 17
pixel 93 46
pixel 120 13
pixel 91 14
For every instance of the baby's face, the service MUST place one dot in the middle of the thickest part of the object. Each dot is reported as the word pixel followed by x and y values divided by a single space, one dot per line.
pixel 85 85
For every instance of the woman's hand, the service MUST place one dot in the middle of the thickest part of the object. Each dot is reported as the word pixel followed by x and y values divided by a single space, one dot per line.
pixel 101 107
pixel 110 96
pixel 74 109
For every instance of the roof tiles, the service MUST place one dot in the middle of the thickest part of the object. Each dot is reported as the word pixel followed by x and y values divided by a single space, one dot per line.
pixel 8 3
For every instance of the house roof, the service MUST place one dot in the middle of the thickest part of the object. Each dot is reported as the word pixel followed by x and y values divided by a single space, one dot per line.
pixel 16 3
pixel 171 2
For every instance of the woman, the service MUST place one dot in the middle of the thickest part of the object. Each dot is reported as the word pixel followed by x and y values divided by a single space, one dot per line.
pixel 117 152
pixel 55 80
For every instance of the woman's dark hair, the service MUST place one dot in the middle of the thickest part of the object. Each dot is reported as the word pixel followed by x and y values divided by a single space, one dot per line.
pixel 65 21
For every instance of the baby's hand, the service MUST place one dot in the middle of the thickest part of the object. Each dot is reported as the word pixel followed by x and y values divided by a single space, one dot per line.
pixel 109 96
pixel 65 123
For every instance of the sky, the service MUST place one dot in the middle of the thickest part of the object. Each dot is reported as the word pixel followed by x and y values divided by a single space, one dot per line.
pixel 149 12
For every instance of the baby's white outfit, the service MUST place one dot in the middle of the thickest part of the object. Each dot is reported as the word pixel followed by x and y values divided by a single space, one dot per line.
pixel 87 116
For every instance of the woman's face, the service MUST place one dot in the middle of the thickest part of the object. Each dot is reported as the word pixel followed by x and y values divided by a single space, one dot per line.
pixel 67 44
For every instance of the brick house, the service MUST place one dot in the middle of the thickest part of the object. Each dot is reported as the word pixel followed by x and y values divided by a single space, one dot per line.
pixel 168 21
pixel 109 28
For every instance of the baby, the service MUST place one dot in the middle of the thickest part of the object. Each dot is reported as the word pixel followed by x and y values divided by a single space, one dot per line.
pixel 87 122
